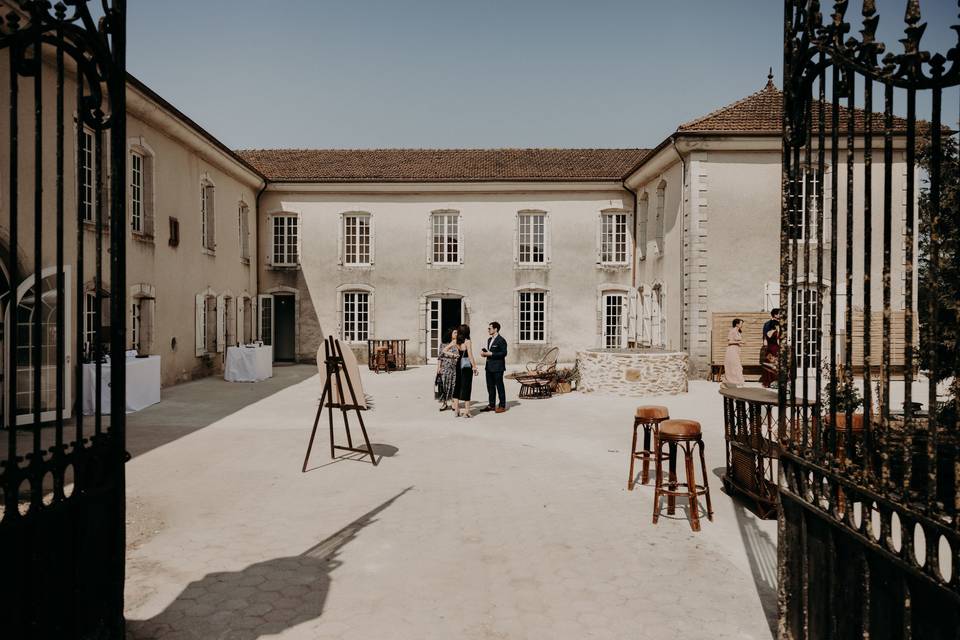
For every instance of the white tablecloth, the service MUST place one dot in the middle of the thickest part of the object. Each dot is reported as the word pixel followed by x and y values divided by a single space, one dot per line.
pixel 143 385
pixel 248 364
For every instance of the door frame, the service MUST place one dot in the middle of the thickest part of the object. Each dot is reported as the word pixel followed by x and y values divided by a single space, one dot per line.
pixel 428 338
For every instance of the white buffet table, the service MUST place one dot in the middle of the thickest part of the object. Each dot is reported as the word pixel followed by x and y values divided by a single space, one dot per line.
pixel 143 385
pixel 248 364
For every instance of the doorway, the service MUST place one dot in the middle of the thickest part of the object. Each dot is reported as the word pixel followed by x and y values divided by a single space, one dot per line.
pixel 284 338
pixel 443 315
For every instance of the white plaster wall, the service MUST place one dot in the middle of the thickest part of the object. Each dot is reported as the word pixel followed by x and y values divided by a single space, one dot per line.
pixel 177 274
pixel 488 276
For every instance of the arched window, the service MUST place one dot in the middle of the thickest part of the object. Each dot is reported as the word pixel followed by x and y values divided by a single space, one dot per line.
pixel 659 225
pixel 140 192
pixel 208 218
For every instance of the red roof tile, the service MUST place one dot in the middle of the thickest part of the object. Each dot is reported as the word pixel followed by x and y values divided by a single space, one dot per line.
pixel 443 165
pixel 762 112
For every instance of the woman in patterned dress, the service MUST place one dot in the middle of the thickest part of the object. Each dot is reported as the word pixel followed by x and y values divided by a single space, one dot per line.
pixel 447 370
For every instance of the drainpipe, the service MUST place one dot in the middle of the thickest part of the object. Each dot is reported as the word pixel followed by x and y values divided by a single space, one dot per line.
pixel 256 271
pixel 683 193
pixel 633 257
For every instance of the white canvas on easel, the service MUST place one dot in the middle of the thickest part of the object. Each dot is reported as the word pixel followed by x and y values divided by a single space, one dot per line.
pixel 351 369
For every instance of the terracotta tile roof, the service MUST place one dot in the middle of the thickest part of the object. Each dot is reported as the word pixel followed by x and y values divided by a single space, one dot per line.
pixel 443 165
pixel 763 112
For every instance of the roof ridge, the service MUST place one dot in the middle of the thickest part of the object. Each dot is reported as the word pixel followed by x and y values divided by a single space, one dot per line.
pixel 768 87
pixel 451 149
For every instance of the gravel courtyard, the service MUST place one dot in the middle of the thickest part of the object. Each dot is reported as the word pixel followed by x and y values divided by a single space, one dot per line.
pixel 516 525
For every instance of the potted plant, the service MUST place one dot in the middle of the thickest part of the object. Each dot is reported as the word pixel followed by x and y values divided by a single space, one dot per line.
pixel 567 379
pixel 848 399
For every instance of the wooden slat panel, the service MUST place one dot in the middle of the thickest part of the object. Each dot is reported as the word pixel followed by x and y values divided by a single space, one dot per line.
pixel 752 338
pixel 897 338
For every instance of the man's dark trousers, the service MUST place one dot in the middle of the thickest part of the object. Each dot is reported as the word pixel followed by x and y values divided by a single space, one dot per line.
pixel 495 367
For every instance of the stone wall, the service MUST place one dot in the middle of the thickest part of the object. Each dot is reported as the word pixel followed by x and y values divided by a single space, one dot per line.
pixel 633 373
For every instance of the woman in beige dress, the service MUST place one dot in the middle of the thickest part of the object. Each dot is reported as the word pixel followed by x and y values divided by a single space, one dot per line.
pixel 732 367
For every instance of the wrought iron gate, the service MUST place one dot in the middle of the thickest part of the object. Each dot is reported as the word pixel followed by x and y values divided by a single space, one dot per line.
pixel 869 528
pixel 62 480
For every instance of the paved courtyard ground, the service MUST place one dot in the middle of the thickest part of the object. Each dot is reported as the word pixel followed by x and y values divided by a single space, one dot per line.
pixel 516 525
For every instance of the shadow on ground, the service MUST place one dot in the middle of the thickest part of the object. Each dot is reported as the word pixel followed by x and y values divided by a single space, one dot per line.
pixel 262 599
pixel 191 406
pixel 762 556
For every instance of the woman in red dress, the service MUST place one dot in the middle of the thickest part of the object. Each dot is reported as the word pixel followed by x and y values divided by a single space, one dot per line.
pixel 771 361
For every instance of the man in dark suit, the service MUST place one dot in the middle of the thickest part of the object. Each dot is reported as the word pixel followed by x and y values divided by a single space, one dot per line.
pixel 496 353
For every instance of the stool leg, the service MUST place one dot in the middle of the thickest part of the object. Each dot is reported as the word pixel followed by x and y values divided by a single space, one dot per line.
pixel 706 484
pixel 691 486
pixel 633 455
pixel 672 480
pixel 657 480
pixel 645 473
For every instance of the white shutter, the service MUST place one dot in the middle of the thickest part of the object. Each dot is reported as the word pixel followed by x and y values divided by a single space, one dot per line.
pixel 632 314
pixel 598 239
pixel 516 240
pixel 221 309
pixel 266 313
pixel 460 247
pixel 547 251
pixel 646 333
pixel 430 238
pixel 299 227
pixel 341 238
pixel 199 347
pixel 270 232
pixel 239 330
pixel 771 296
pixel 373 238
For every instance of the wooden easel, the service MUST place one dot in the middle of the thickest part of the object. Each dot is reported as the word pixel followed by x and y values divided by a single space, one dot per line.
pixel 337 373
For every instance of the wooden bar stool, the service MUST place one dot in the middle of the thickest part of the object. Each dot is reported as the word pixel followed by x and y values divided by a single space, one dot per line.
pixel 687 435
pixel 650 416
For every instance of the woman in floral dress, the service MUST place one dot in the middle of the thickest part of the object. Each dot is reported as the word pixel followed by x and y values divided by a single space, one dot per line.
pixel 447 370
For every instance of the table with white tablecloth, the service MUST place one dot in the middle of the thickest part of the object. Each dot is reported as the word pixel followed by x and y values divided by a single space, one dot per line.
pixel 143 384
pixel 248 364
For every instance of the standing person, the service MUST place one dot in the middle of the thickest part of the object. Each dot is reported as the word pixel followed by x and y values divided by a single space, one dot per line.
pixel 732 365
pixel 771 361
pixel 447 361
pixel 466 369
pixel 496 354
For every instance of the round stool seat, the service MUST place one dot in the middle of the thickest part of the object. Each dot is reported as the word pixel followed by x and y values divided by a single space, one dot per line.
pixel 650 412
pixel 679 429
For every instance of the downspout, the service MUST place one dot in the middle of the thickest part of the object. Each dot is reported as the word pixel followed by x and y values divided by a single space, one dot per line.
pixel 255 321
pixel 683 199
pixel 633 256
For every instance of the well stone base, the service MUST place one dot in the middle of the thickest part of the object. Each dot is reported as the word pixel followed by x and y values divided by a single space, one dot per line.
pixel 633 373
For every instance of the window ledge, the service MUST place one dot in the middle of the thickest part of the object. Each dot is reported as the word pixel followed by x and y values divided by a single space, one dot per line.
pixel 359 265
pixel 141 236
pixel 445 265
pixel 607 266
pixel 283 267
pixel 91 225
pixel 245 261
pixel 208 251
pixel 531 266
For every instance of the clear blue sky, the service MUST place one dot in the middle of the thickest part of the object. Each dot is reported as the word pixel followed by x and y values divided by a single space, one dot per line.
pixel 466 73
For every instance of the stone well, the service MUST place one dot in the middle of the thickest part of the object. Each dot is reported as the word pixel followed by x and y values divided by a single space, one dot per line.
pixel 632 372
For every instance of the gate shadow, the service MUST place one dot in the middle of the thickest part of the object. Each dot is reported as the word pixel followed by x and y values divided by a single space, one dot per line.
pixel 262 599
pixel 762 556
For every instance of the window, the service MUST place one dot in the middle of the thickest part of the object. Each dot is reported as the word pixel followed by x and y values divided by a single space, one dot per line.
pixel 174 232
pixel 446 238
pixel 643 211
pixel 89 321
pixel 206 323
pixel 804 191
pixel 285 240
pixel 614 319
pixel 266 318
pixel 531 243
pixel 659 222
pixel 356 316
pixel 208 222
pixel 613 238
pixel 356 239
pixel 136 315
pixel 85 168
pixel 243 224
pixel 136 192
pixel 532 320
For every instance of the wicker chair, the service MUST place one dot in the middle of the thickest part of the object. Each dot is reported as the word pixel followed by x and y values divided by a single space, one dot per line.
pixel 540 378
